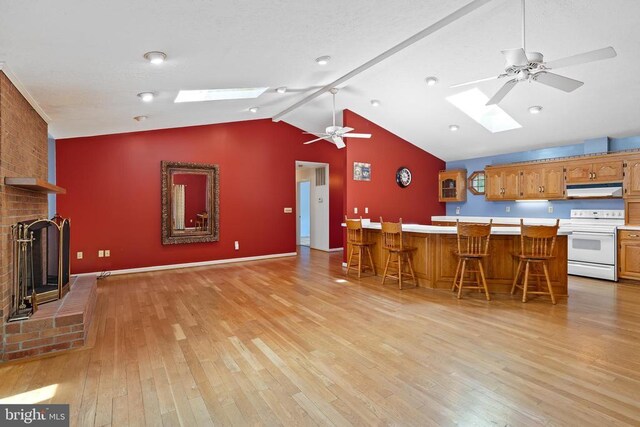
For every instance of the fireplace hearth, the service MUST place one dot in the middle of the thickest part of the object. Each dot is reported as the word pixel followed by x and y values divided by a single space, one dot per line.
pixel 41 268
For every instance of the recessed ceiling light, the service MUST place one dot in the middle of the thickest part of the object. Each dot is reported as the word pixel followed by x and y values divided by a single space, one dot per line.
pixel 535 109
pixel 253 109
pixel 474 104
pixel 140 118
pixel 219 94
pixel 375 103
pixel 156 58
pixel 454 128
pixel 146 96
pixel 431 81
pixel 282 89
pixel 323 60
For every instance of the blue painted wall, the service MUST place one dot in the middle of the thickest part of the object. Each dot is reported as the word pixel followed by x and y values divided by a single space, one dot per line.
pixel 478 206
pixel 51 151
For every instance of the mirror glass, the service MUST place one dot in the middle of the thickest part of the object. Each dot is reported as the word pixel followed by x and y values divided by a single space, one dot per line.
pixel 476 182
pixel 189 203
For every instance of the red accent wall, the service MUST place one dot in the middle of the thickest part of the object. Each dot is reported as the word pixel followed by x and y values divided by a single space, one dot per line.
pixel 387 152
pixel 113 191
pixel 195 195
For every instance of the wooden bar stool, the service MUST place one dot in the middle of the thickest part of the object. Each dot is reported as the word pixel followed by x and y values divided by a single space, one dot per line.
pixel 393 243
pixel 473 247
pixel 355 237
pixel 536 249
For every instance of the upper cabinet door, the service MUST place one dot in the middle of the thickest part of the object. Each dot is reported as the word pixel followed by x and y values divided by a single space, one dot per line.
pixel 579 172
pixel 531 184
pixel 607 171
pixel 553 182
pixel 632 178
pixel 493 182
pixel 511 183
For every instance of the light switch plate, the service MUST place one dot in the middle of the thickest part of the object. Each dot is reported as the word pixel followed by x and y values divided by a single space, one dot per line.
pixel 288 210
pixel 79 255
pixel 355 210
pixel 236 245
pixel 457 210
pixel 550 209
pixel 507 209
pixel 107 253
pixel 366 210
pixel 100 253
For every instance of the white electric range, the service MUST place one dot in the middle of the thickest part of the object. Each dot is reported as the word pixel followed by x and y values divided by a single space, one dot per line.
pixel 593 244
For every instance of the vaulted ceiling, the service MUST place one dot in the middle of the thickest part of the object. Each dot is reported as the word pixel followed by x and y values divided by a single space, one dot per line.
pixel 81 61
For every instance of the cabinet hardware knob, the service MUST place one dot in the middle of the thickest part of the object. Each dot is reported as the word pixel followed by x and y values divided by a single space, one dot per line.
pixel 543 188
pixel 633 235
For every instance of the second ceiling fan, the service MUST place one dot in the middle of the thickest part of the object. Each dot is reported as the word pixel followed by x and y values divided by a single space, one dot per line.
pixel 335 133
pixel 529 66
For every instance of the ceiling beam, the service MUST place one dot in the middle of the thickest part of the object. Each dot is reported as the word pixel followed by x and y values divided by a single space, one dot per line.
pixel 463 11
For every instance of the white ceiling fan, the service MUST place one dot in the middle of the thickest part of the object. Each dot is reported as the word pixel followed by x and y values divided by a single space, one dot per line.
pixel 336 133
pixel 524 66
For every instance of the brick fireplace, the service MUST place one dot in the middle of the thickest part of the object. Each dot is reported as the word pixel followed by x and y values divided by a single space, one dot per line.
pixel 24 153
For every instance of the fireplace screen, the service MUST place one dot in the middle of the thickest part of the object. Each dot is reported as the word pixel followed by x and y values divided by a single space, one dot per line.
pixel 41 264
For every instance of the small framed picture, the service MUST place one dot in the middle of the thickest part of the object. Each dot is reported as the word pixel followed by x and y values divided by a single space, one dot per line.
pixel 361 171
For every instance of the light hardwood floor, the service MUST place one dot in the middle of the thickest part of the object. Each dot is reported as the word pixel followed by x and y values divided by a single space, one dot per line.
pixel 290 342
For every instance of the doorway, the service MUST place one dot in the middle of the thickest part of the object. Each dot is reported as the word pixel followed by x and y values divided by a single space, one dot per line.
pixel 304 213
pixel 312 205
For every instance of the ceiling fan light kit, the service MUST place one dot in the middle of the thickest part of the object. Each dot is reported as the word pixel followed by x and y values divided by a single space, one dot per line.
pixel 521 66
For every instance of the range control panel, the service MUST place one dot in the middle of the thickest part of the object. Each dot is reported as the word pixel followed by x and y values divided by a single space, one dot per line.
pixel 597 214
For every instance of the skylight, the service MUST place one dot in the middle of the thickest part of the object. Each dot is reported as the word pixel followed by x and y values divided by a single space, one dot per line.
pixel 219 94
pixel 492 117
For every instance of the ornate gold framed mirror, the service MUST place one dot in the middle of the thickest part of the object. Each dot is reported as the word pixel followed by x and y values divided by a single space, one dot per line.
pixel 476 183
pixel 190 206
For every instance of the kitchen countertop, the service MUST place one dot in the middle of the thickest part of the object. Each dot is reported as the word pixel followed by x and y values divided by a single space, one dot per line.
pixel 436 229
pixel 629 227
pixel 500 220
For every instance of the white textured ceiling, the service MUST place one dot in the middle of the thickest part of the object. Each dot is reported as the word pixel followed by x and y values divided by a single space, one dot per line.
pixel 82 63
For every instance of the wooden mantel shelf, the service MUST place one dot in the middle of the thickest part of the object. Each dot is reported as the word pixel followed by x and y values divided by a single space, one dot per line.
pixel 34 184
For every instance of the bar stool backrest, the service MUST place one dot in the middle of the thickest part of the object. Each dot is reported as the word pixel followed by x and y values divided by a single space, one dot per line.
pixel 355 233
pixel 392 234
pixel 538 240
pixel 473 239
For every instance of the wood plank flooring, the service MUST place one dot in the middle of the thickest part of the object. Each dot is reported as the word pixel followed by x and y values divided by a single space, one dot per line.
pixel 291 342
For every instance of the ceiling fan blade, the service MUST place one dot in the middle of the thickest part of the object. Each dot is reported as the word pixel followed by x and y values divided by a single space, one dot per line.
pixel 559 82
pixel 313 140
pixel 315 133
pixel 342 131
pixel 357 135
pixel 479 81
pixel 582 58
pixel 504 90
pixel 515 57
pixel 338 141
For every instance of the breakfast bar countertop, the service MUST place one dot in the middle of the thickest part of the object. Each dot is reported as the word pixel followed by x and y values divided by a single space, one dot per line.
pixel 437 229
pixel 501 220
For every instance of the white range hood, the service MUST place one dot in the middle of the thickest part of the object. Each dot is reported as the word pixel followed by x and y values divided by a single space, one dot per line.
pixel 584 192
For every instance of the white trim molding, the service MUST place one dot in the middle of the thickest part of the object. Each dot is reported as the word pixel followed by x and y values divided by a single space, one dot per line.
pixel 23 91
pixel 191 264
pixel 336 249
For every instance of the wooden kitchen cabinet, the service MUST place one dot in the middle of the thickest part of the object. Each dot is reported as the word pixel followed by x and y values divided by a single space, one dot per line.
pixel 452 185
pixel 589 171
pixel 629 254
pixel 632 177
pixel 502 183
pixel 542 182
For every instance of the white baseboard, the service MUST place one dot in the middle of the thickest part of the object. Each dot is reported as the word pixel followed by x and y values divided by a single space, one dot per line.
pixel 191 264
pixel 336 249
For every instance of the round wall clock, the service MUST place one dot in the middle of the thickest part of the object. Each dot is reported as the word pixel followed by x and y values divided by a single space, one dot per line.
pixel 403 177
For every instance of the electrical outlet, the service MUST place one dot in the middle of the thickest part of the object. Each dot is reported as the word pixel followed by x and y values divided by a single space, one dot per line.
pixel 107 253
pixel 100 253
pixel 457 210
pixel 507 209
pixel 366 210
pixel 355 210
pixel 79 255
pixel 550 209
pixel 236 245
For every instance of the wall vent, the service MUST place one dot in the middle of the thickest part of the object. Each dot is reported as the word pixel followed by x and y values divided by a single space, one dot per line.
pixel 321 177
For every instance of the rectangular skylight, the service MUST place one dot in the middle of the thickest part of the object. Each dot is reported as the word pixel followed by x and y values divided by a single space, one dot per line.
pixel 219 94
pixel 492 117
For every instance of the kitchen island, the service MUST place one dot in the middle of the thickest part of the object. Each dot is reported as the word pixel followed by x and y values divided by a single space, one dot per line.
pixel 435 262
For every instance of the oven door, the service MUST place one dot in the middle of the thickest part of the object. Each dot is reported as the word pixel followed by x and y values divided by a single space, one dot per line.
pixel 590 247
